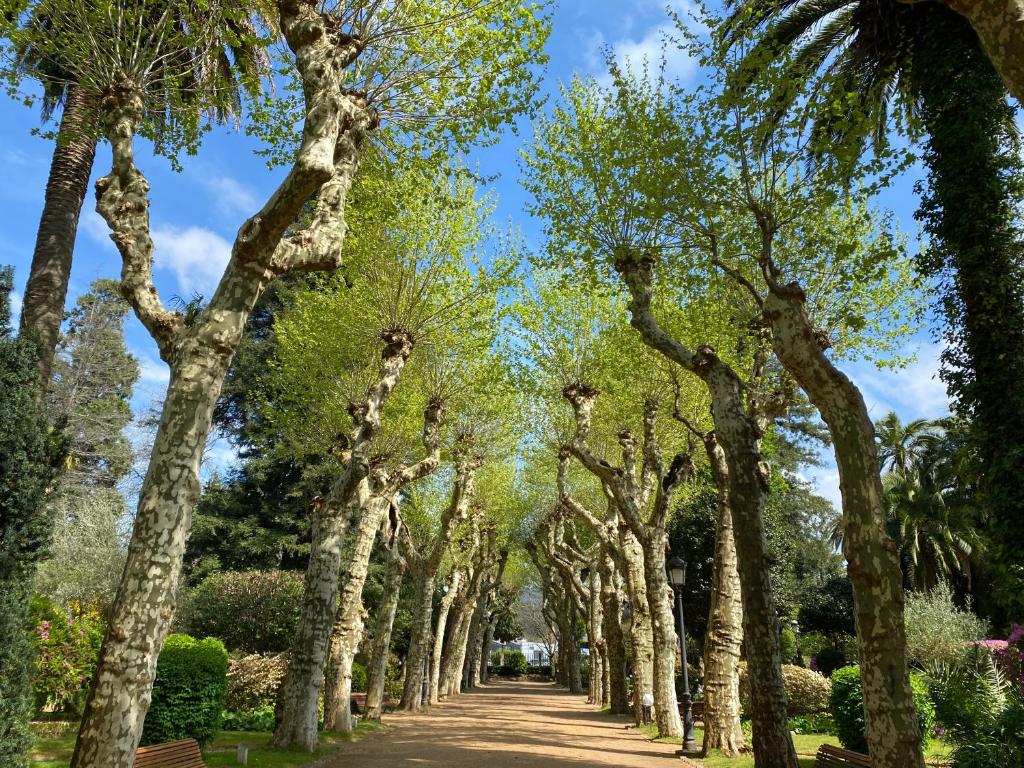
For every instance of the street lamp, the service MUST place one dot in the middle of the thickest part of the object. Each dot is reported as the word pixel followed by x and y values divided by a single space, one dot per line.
pixel 677 578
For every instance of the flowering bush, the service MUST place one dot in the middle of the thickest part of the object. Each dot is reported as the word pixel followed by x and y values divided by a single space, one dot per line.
pixel 253 681
pixel 1008 655
pixel 67 646
pixel 807 692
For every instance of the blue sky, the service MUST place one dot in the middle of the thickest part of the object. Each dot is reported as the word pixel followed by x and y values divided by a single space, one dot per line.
pixel 195 213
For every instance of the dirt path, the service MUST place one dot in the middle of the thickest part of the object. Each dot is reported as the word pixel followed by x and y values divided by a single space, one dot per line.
pixel 506 725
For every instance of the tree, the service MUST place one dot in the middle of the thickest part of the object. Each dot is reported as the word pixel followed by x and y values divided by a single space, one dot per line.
pixel 391 60
pixel 998 25
pixel 864 54
pixel 29 459
pixel 227 67
pixel 89 402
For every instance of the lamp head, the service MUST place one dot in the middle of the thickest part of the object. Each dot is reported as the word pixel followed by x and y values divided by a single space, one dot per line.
pixel 677 571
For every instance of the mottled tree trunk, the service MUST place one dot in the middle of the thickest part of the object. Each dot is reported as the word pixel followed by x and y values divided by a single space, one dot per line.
pixel 595 623
pixel 573 671
pixel 42 310
pixel 891 726
pixel 641 630
pixel 485 650
pixel 419 641
pixel 615 650
pixel 666 707
pixel 722 728
pixel 1000 27
pixel 381 648
pixel 348 624
pixel 454 587
pixel 749 474
pixel 145 602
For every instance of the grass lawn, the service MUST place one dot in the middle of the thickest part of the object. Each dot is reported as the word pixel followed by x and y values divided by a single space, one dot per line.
pixel 53 748
pixel 937 752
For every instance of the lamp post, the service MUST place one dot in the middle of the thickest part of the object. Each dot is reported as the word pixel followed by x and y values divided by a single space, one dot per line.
pixel 677 578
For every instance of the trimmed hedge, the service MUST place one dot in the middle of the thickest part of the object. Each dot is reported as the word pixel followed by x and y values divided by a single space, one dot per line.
pixel 807 692
pixel 847 707
pixel 188 695
pixel 254 680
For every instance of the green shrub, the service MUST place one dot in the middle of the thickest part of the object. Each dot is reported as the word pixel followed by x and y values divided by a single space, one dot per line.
pixel 968 697
pixel 261 719
pixel 788 640
pixel 253 681
pixel 67 646
pixel 846 706
pixel 938 632
pixel 1000 745
pixel 820 723
pixel 188 695
pixel 251 611
pixel 807 692
pixel 358 677
pixel 515 663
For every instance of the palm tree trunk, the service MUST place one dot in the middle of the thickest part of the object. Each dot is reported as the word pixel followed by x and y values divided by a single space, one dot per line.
pixel 47 288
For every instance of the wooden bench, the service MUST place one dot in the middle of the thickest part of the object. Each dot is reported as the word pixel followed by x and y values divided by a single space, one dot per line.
pixel 834 757
pixel 697 707
pixel 172 754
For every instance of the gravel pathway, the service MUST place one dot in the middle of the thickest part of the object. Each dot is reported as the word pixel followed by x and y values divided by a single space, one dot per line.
pixel 506 725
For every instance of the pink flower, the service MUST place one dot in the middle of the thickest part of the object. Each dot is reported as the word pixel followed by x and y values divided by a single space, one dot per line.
pixel 46 635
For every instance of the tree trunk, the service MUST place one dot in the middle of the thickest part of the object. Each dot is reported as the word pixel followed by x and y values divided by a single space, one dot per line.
pixel 348 625
pixel 485 651
pixel 722 728
pixel 46 291
pixel 615 650
pixel 666 708
pixel 381 649
pixel 454 587
pixel 419 641
pixel 477 630
pixel 891 726
pixel 573 672
pixel 598 651
pixel 641 631
pixel 144 606
pixel 749 475
pixel 1000 27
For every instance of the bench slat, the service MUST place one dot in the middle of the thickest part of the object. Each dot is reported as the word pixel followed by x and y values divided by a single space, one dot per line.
pixel 834 757
pixel 172 754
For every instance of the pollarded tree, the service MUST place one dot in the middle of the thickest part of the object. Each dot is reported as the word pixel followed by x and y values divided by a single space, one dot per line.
pixel 227 67
pixel 596 187
pixel 355 65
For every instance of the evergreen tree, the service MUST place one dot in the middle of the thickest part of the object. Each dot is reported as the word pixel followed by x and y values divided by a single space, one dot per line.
pixel 26 470
pixel 89 401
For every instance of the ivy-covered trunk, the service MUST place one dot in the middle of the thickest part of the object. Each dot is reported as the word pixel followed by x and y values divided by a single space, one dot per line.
pixel 42 310
pixel 377 672
pixel 890 720
pixel 722 728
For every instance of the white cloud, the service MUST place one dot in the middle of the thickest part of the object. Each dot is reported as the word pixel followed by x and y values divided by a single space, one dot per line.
pixel 913 392
pixel 16 303
pixel 219 455
pixel 95 227
pixel 153 371
pixel 197 257
pixel 231 198
pixel 642 53
pixel 826 480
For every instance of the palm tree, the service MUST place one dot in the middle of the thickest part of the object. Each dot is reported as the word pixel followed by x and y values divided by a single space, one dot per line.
pixel 901 445
pixel 854 64
pixel 222 74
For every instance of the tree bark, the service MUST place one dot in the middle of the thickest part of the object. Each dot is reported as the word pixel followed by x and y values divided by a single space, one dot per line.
pixel 615 650
pixel 740 438
pixel 891 726
pixel 419 641
pixel 199 353
pixel 1000 27
pixel 454 587
pixel 348 623
pixel 381 648
pixel 42 310
pixel 595 624
pixel 722 727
